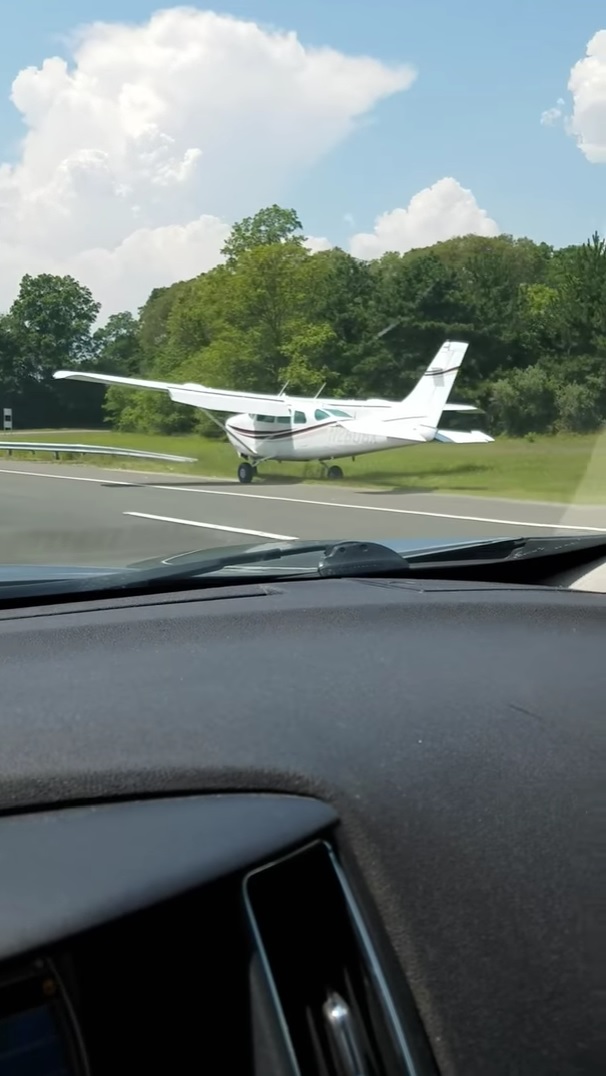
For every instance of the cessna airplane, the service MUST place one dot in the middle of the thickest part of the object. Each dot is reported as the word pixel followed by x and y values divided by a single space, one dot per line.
pixel 284 427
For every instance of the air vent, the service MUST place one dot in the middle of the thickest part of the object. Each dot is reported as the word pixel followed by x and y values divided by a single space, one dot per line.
pixel 323 975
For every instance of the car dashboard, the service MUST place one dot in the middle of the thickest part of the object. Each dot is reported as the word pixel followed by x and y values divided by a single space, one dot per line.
pixel 172 944
pixel 344 827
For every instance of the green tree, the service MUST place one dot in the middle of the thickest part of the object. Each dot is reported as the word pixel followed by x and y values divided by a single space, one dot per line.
pixel 267 227
pixel 52 319
pixel 579 407
pixel 580 276
pixel 534 317
pixel 117 345
pixel 50 326
pixel 523 402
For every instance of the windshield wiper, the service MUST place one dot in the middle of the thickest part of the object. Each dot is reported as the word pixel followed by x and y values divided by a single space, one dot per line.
pixel 340 558
pixel 489 559
pixel 357 557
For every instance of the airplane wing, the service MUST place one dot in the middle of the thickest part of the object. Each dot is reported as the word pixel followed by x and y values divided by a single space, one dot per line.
pixel 456 437
pixel 252 403
pixel 112 379
pixel 206 399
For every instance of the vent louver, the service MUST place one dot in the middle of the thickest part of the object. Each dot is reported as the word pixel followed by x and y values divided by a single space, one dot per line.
pixel 332 1001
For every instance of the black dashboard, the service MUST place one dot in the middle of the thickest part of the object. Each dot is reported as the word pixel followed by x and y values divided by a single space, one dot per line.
pixel 342 827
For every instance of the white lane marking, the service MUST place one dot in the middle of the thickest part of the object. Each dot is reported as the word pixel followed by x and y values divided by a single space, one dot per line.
pixel 321 504
pixel 213 526
pixel 68 477
pixel 379 508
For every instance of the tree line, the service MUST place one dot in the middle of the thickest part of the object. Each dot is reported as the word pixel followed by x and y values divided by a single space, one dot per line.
pixel 273 313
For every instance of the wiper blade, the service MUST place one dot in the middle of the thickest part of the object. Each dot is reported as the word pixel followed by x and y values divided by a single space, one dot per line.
pixel 356 556
pixel 337 557
pixel 367 557
pixel 352 558
pixel 496 550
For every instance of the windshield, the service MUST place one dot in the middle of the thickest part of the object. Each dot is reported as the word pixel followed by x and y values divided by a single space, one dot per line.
pixel 299 273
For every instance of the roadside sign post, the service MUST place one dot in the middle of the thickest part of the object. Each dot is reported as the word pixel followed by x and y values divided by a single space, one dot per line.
pixel 7 418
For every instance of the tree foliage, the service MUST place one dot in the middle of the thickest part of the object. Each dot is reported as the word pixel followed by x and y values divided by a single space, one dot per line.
pixel 267 227
pixel 274 313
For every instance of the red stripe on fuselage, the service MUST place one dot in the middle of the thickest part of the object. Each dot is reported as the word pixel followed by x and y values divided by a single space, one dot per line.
pixel 269 435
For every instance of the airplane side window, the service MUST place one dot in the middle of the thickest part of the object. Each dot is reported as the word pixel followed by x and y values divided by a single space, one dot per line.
pixel 284 419
pixel 321 415
pixel 339 414
pixel 300 417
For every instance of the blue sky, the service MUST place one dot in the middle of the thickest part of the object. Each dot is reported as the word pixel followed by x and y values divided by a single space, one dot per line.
pixel 487 69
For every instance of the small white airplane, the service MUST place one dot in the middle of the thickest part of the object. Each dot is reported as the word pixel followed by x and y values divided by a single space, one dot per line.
pixel 282 427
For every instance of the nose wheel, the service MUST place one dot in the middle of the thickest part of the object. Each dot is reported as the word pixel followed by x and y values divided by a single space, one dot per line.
pixel 246 473
pixel 334 473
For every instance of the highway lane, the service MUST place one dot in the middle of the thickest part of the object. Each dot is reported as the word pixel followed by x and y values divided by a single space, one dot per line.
pixel 84 515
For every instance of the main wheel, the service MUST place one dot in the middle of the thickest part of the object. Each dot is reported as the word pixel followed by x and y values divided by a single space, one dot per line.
pixel 246 473
pixel 334 473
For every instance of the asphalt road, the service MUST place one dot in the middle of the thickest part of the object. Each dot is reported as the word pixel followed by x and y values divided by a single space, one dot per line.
pixel 61 514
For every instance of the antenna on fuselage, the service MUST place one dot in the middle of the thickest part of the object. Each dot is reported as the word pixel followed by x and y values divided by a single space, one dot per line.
pixel 284 387
pixel 321 389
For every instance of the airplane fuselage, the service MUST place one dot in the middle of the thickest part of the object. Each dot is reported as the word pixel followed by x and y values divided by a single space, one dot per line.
pixel 310 436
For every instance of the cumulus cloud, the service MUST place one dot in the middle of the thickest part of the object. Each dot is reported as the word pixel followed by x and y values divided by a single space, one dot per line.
pixel 315 243
pixel 587 84
pixel 436 213
pixel 139 151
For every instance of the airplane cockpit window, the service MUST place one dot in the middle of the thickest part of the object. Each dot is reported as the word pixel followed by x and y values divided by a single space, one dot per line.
pixel 321 415
pixel 264 418
pixel 284 419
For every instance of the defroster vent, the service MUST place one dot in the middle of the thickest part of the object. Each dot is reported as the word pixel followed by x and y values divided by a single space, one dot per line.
pixel 332 1001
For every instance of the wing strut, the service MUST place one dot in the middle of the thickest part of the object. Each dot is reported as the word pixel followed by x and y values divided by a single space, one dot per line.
pixel 221 426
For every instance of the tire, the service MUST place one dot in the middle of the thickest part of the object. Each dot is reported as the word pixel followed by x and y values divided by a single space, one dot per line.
pixel 334 473
pixel 246 473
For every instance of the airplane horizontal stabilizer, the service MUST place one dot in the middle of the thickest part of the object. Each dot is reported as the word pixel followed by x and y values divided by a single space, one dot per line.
pixel 459 407
pixel 398 429
pixel 460 437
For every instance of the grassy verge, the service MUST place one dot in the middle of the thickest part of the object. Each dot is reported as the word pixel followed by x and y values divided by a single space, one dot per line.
pixel 565 468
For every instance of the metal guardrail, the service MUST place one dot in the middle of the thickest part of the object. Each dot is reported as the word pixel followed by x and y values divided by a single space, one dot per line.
pixel 91 450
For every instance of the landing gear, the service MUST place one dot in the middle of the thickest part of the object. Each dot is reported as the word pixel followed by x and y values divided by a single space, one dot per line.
pixel 246 473
pixel 333 473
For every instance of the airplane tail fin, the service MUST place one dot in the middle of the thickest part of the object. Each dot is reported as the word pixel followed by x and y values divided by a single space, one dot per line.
pixel 428 399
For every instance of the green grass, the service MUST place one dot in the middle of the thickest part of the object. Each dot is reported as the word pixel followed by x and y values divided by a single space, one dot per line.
pixel 564 468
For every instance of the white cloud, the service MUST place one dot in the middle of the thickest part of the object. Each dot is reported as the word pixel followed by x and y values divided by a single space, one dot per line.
pixel 316 243
pixel 436 213
pixel 553 115
pixel 587 84
pixel 138 151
